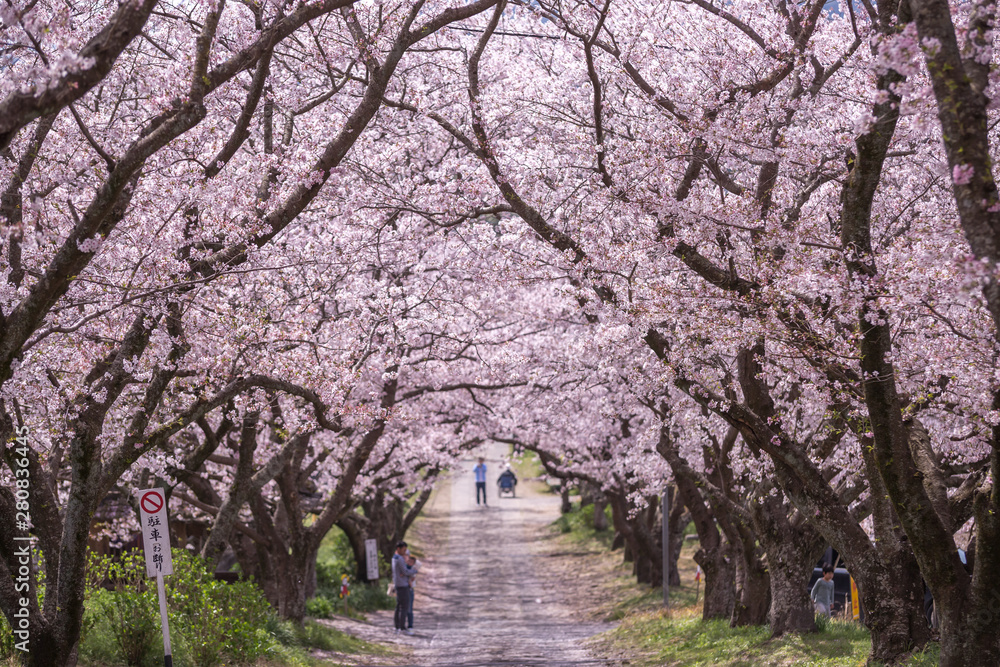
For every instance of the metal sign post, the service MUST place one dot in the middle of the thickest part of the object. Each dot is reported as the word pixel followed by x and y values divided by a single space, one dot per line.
pixel 371 559
pixel 156 544
pixel 666 546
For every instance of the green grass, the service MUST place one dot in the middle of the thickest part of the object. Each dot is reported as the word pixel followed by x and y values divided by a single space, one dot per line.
pixel 578 527
pixel 323 637
pixel 527 465
pixel 656 639
pixel 651 637
pixel 289 646
pixel 641 602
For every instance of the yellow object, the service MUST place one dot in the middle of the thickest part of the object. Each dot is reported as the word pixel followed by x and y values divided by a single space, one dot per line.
pixel 855 602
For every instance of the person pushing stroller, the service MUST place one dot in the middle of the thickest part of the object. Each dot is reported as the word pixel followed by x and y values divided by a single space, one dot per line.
pixel 506 482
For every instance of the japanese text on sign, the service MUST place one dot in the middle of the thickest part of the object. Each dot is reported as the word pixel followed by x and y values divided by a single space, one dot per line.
pixel 155 532
pixel 371 559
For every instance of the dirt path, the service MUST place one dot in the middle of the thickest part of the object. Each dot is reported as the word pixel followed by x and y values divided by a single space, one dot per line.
pixel 489 595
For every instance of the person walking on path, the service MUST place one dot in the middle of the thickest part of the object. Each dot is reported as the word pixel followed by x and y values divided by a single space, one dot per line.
pixel 401 573
pixel 480 471
pixel 415 566
pixel 822 592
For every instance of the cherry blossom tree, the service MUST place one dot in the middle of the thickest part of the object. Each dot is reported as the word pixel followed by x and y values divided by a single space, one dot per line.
pixel 134 164
pixel 745 246
pixel 782 300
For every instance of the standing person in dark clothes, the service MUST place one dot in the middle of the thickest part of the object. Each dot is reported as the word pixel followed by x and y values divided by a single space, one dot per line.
pixel 401 573
pixel 480 471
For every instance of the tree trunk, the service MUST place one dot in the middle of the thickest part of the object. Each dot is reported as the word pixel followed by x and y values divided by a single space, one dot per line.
pixel 893 606
pixel 753 595
pixel 968 608
pixel 969 627
pixel 791 608
pixel 642 569
pixel 719 569
pixel 600 518
pixel 792 551
pixel 648 556
pixel 350 524
pixel 295 580
pixel 715 556
pixel 566 506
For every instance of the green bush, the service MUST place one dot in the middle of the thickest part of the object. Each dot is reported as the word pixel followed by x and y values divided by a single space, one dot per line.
pixel 132 609
pixel 364 598
pixel 97 642
pixel 336 558
pixel 220 623
pixel 319 608
pixel 367 597
pixel 282 631
pixel 211 622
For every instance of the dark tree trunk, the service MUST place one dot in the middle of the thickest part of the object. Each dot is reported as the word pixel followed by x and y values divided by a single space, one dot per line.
pixel 294 582
pixel 715 556
pixel 719 569
pixel 350 524
pixel 647 554
pixel 968 608
pixel 600 517
pixel 642 569
pixel 566 507
pixel 791 608
pixel 753 595
pixel 894 614
pixel 792 551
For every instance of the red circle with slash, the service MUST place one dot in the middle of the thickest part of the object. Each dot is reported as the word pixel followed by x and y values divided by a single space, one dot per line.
pixel 152 502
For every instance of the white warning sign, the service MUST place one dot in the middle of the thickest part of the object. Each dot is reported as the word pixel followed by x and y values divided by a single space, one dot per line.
pixel 155 532
pixel 371 559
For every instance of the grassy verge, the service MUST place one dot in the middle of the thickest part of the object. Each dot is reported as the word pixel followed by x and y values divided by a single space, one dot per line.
pixel 648 636
pixel 526 465
pixel 281 644
pixel 653 638
pixel 295 644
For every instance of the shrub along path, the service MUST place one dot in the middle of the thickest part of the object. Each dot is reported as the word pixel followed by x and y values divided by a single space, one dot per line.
pixel 489 593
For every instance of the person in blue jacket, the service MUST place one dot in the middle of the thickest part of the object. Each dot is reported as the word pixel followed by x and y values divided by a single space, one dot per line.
pixel 480 471
pixel 401 573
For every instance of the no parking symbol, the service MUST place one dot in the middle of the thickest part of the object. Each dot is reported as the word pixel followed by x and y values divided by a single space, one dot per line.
pixel 152 501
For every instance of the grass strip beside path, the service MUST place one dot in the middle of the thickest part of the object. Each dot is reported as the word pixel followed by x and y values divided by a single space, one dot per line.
pixel 652 638
pixel 647 636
